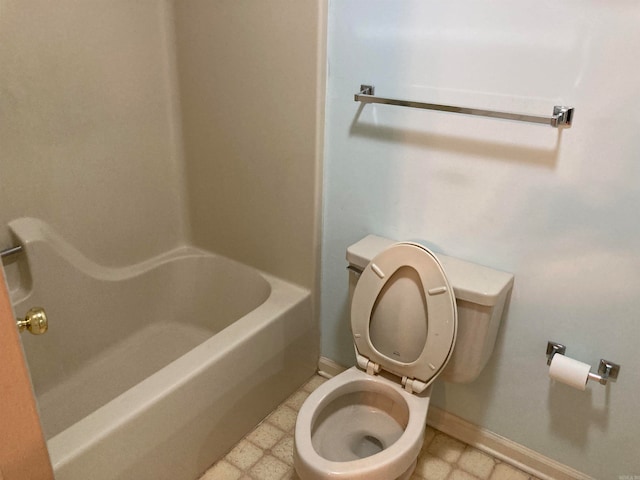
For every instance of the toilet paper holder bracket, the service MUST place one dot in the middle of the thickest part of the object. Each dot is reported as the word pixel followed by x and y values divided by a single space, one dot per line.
pixel 606 370
pixel 552 349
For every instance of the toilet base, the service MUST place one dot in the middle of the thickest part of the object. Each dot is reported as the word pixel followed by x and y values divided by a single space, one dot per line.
pixel 407 474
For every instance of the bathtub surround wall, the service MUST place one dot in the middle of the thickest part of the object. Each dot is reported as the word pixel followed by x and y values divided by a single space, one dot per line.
pixel 556 208
pixel 251 80
pixel 93 121
pixel 89 132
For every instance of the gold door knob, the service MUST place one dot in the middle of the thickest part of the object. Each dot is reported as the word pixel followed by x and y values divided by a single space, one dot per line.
pixel 35 321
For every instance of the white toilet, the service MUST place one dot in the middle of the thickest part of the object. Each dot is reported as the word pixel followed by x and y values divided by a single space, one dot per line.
pixel 415 317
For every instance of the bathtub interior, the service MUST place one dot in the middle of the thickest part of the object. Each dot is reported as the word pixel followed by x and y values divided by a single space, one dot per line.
pixel 110 328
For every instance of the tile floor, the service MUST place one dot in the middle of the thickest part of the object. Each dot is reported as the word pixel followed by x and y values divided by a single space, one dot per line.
pixel 267 452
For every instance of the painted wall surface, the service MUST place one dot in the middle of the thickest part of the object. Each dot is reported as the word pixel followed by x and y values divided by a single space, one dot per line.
pixel 88 125
pixel 558 208
pixel 252 90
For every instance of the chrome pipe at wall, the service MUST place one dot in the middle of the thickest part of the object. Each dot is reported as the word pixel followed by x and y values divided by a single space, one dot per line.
pixel 10 251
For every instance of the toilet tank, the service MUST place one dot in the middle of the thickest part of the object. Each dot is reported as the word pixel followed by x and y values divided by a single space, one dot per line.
pixel 481 295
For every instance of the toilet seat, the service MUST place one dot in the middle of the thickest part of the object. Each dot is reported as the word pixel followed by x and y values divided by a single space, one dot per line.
pixel 403 315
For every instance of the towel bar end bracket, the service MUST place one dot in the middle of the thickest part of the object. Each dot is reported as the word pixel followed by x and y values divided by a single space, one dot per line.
pixel 562 116
pixel 367 90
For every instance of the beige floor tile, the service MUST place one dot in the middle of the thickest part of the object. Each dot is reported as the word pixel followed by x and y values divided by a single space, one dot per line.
pixel 314 383
pixel 265 436
pixel 507 472
pixel 284 417
pixel 476 463
pixel 269 468
pixel 291 475
pixel 296 400
pixel 446 448
pixel 429 435
pixel 283 450
pixel 432 468
pixel 461 475
pixel 244 455
pixel 222 471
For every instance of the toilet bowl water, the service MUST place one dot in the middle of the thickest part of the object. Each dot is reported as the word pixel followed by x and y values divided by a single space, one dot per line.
pixel 358 425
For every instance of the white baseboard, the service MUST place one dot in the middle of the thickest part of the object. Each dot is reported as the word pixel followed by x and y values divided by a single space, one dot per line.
pixel 327 368
pixel 498 447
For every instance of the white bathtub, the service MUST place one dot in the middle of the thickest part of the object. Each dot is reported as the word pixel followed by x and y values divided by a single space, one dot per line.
pixel 155 370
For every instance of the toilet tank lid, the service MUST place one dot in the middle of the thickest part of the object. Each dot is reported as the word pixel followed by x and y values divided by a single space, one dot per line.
pixel 471 282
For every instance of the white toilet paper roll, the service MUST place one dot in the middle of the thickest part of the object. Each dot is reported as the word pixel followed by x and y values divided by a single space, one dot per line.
pixel 567 370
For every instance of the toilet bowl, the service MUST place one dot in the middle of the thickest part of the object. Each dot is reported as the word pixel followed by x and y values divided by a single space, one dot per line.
pixel 369 421
pixel 359 426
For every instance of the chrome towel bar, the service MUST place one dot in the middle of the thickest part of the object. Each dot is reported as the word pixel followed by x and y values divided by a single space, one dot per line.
pixel 10 251
pixel 562 116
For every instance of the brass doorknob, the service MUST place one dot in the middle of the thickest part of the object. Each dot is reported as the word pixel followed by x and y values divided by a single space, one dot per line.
pixel 35 321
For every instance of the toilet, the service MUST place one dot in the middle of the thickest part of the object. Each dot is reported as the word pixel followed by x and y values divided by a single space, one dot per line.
pixel 415 316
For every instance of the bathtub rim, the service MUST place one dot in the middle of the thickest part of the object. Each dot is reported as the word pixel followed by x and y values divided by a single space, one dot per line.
pixel 32 231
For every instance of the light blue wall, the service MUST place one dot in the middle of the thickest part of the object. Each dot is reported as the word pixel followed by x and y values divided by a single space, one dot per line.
pixel 559 209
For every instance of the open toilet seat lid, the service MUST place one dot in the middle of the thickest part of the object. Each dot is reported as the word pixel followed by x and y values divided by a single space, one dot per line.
pixel 403 313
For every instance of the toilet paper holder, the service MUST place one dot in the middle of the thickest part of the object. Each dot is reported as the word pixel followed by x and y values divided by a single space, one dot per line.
pixel 606 370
